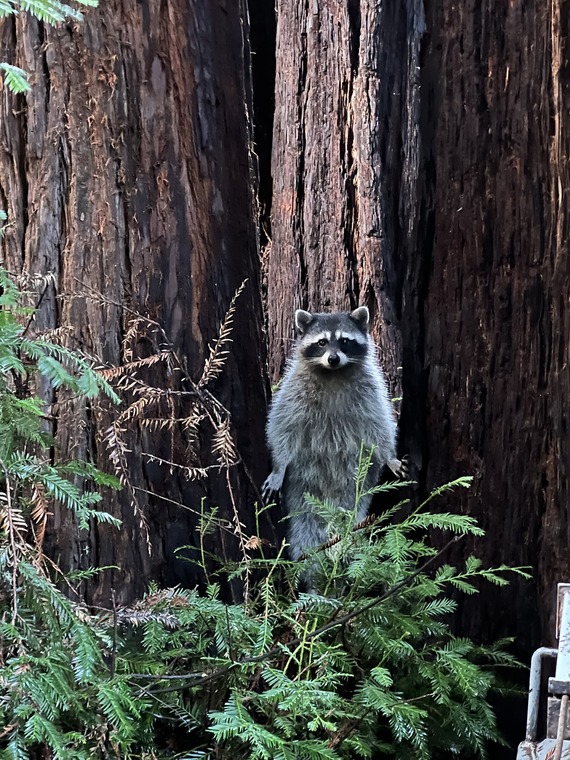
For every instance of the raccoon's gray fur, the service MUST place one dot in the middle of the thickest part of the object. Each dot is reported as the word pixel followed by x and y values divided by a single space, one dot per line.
pixel 332 398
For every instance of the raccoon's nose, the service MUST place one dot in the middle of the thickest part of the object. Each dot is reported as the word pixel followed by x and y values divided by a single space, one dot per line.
pixel 334 360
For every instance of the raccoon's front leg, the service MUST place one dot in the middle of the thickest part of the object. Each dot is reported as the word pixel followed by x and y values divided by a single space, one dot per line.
pixel 273 483
pixel 400 467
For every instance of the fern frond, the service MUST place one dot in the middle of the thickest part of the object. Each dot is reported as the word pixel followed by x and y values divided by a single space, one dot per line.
pixel 223 445
pixel 219 350
pixel 460 524
pixel 112 373
pixel 39 516
pixel 130 337
pixel 464 481
pixel 52 11
pixel 191 473
pixel 16 79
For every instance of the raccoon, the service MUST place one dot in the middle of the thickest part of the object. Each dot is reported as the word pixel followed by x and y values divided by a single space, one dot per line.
pixel 333 398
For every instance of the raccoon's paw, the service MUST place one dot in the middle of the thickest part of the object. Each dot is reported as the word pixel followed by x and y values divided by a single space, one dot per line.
pixel 400 467
pixel 272 485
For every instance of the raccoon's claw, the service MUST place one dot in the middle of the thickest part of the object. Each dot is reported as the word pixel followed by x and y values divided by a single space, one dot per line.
pixel 400 467
pixel 271 486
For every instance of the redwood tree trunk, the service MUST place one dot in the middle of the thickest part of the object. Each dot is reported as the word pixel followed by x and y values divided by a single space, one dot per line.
pixel 495 304
pixel 128 171
pixel 420 166
pixel 345 164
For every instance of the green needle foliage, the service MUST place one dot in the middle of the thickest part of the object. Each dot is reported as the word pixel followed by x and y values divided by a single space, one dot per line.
pixel 50 648
pixel 25 469
pixel 366 666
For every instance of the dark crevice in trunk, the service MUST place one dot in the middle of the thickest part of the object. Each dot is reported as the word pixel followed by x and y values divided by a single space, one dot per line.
pixel 22 158
pixel 415 373
pixel 45 67
pixel 300 178
pixel 354 19
pixel 351 221
pixel 263 28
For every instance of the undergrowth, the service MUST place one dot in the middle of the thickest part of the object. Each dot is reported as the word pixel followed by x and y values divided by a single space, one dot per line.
pixel 367 666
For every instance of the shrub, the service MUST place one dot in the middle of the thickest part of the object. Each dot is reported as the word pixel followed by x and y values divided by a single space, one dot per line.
pixel 365 667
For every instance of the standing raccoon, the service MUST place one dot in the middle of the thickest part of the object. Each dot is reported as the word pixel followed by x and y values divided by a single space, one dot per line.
pixel 333 398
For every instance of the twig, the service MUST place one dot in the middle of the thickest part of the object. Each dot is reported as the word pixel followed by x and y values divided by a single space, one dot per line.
pixel 229 633
pixel 114 647
pixel 239 534
pixel 11 531
pixel 217 521
pixel 336 539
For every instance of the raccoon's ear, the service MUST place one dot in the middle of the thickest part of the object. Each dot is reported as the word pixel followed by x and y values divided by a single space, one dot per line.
pixel 362 316
pixel 302 320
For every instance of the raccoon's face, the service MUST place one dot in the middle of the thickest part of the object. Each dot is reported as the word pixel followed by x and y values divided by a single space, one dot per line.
pixel 333 341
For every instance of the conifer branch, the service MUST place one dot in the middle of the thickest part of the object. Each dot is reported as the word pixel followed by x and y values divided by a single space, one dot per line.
pixel 283 649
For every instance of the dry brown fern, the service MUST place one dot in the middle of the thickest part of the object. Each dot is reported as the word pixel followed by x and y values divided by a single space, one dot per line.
pixel 40 513
pixel 223 445
pixel 182 411
pixel 219 350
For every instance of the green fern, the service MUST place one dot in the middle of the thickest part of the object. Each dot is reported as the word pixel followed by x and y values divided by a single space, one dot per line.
pixel 50 11
pixel 16 79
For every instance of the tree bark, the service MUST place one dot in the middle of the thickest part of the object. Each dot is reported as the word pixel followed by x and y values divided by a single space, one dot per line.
pixel 344 184
pixel 128 171
pixel 496 297
pixel 420 166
